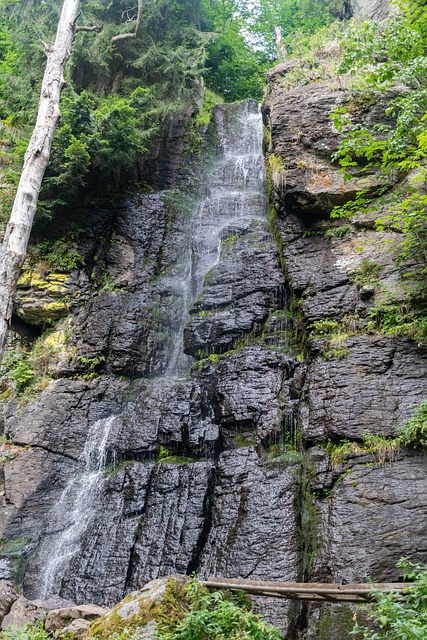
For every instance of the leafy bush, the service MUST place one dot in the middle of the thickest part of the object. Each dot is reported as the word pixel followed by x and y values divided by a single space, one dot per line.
pixel 215 616
pixel 34 631
pixel 366 273
pixel 384 54
pixel 414 432
pixel 398 618
pixel 18 367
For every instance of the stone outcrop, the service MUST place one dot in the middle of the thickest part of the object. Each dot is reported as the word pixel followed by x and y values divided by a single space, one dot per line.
pixel 57 619
pixel 357 382
pixel 226 470
pixel 8 594
pixel 25 611
pixel 373 9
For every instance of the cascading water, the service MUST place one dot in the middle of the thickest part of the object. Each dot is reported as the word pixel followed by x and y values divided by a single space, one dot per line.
pixel 71 515
pixel 234 198
pixel 236 189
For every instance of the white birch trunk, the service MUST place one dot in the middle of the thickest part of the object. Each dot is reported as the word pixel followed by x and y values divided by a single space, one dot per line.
pixel 14 249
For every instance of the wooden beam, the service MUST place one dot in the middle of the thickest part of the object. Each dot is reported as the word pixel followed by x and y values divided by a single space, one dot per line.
pixel 323 591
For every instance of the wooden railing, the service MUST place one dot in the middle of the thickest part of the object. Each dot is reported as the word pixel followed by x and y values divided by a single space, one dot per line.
pixel 322 591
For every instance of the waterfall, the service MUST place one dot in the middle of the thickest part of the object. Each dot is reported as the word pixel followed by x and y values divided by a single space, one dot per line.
pixel 236 188
pixel 71 515
pixel 234 196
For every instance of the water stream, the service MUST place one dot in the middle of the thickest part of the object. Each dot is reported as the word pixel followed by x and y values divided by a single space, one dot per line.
pixel 71 515
pixel 233 197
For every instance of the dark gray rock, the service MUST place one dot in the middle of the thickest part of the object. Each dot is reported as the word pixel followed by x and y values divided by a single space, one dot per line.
pixel 238 294
pixel 250 394
pixel 58 422
pixel 174 522
pixel 373 389
pixel 367 519
pixel 304 137
pixel 253 532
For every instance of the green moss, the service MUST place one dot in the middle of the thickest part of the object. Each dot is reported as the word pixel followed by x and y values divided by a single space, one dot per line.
pixel 244 439
pixel 13 546
pixel 383 448
pixel 177 460
pixel 53 283
pixel 337 622
pixel 366 273
pixel 167 613
pixel 276 172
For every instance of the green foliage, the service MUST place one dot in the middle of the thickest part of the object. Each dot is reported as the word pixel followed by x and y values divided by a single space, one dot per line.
pixel 17 367
pixel 398 618
pixel 293 17
pixel 276 173
pixel 215 616
pixel 117 95
pixel 163 453
pixel 91 366
pixel 31 631
pixel 233 68
pixel 210 99
pixel 59 254
pixel 366 273
pixel 384 54
pixel 393 317
pixel 414 433
pixel 322 328
pixel 337 232
pixel 384 449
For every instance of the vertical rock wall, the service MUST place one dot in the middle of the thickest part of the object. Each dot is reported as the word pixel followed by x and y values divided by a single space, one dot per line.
pixel 367 507
pixel 224 471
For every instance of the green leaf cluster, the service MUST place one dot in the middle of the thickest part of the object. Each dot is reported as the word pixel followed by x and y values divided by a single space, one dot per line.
pixel 118 93
pixel 398 618
pixel 215 616
pixel 392 53
pixel 34 631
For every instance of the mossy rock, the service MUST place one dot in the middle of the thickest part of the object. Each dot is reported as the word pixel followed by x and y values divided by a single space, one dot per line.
pixel 158 601
pixel 43 299
pixel 337 621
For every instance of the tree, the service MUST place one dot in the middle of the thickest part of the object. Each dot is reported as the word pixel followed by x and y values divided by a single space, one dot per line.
pixel 18 230
pixel 36 159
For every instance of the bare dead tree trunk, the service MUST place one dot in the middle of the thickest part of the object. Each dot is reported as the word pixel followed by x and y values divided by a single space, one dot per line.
pixel 133 34
pixel 18 230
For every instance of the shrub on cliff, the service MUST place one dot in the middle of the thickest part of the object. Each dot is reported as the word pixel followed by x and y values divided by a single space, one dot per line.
pixel 215 616
pixel 398 618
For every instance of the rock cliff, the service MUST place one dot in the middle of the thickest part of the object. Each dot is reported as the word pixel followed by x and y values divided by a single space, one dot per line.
pixel 126 469
pixel 373 9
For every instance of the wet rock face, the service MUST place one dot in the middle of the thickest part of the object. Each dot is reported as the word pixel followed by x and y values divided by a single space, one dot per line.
pixel 374 388
pixel 185 469
pixel 219 466
pixel 381 505
pixel 239 293
pixel 356 382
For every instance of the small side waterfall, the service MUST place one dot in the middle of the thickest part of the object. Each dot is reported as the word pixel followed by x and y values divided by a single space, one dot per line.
pixel 233 198
pixel 72 514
